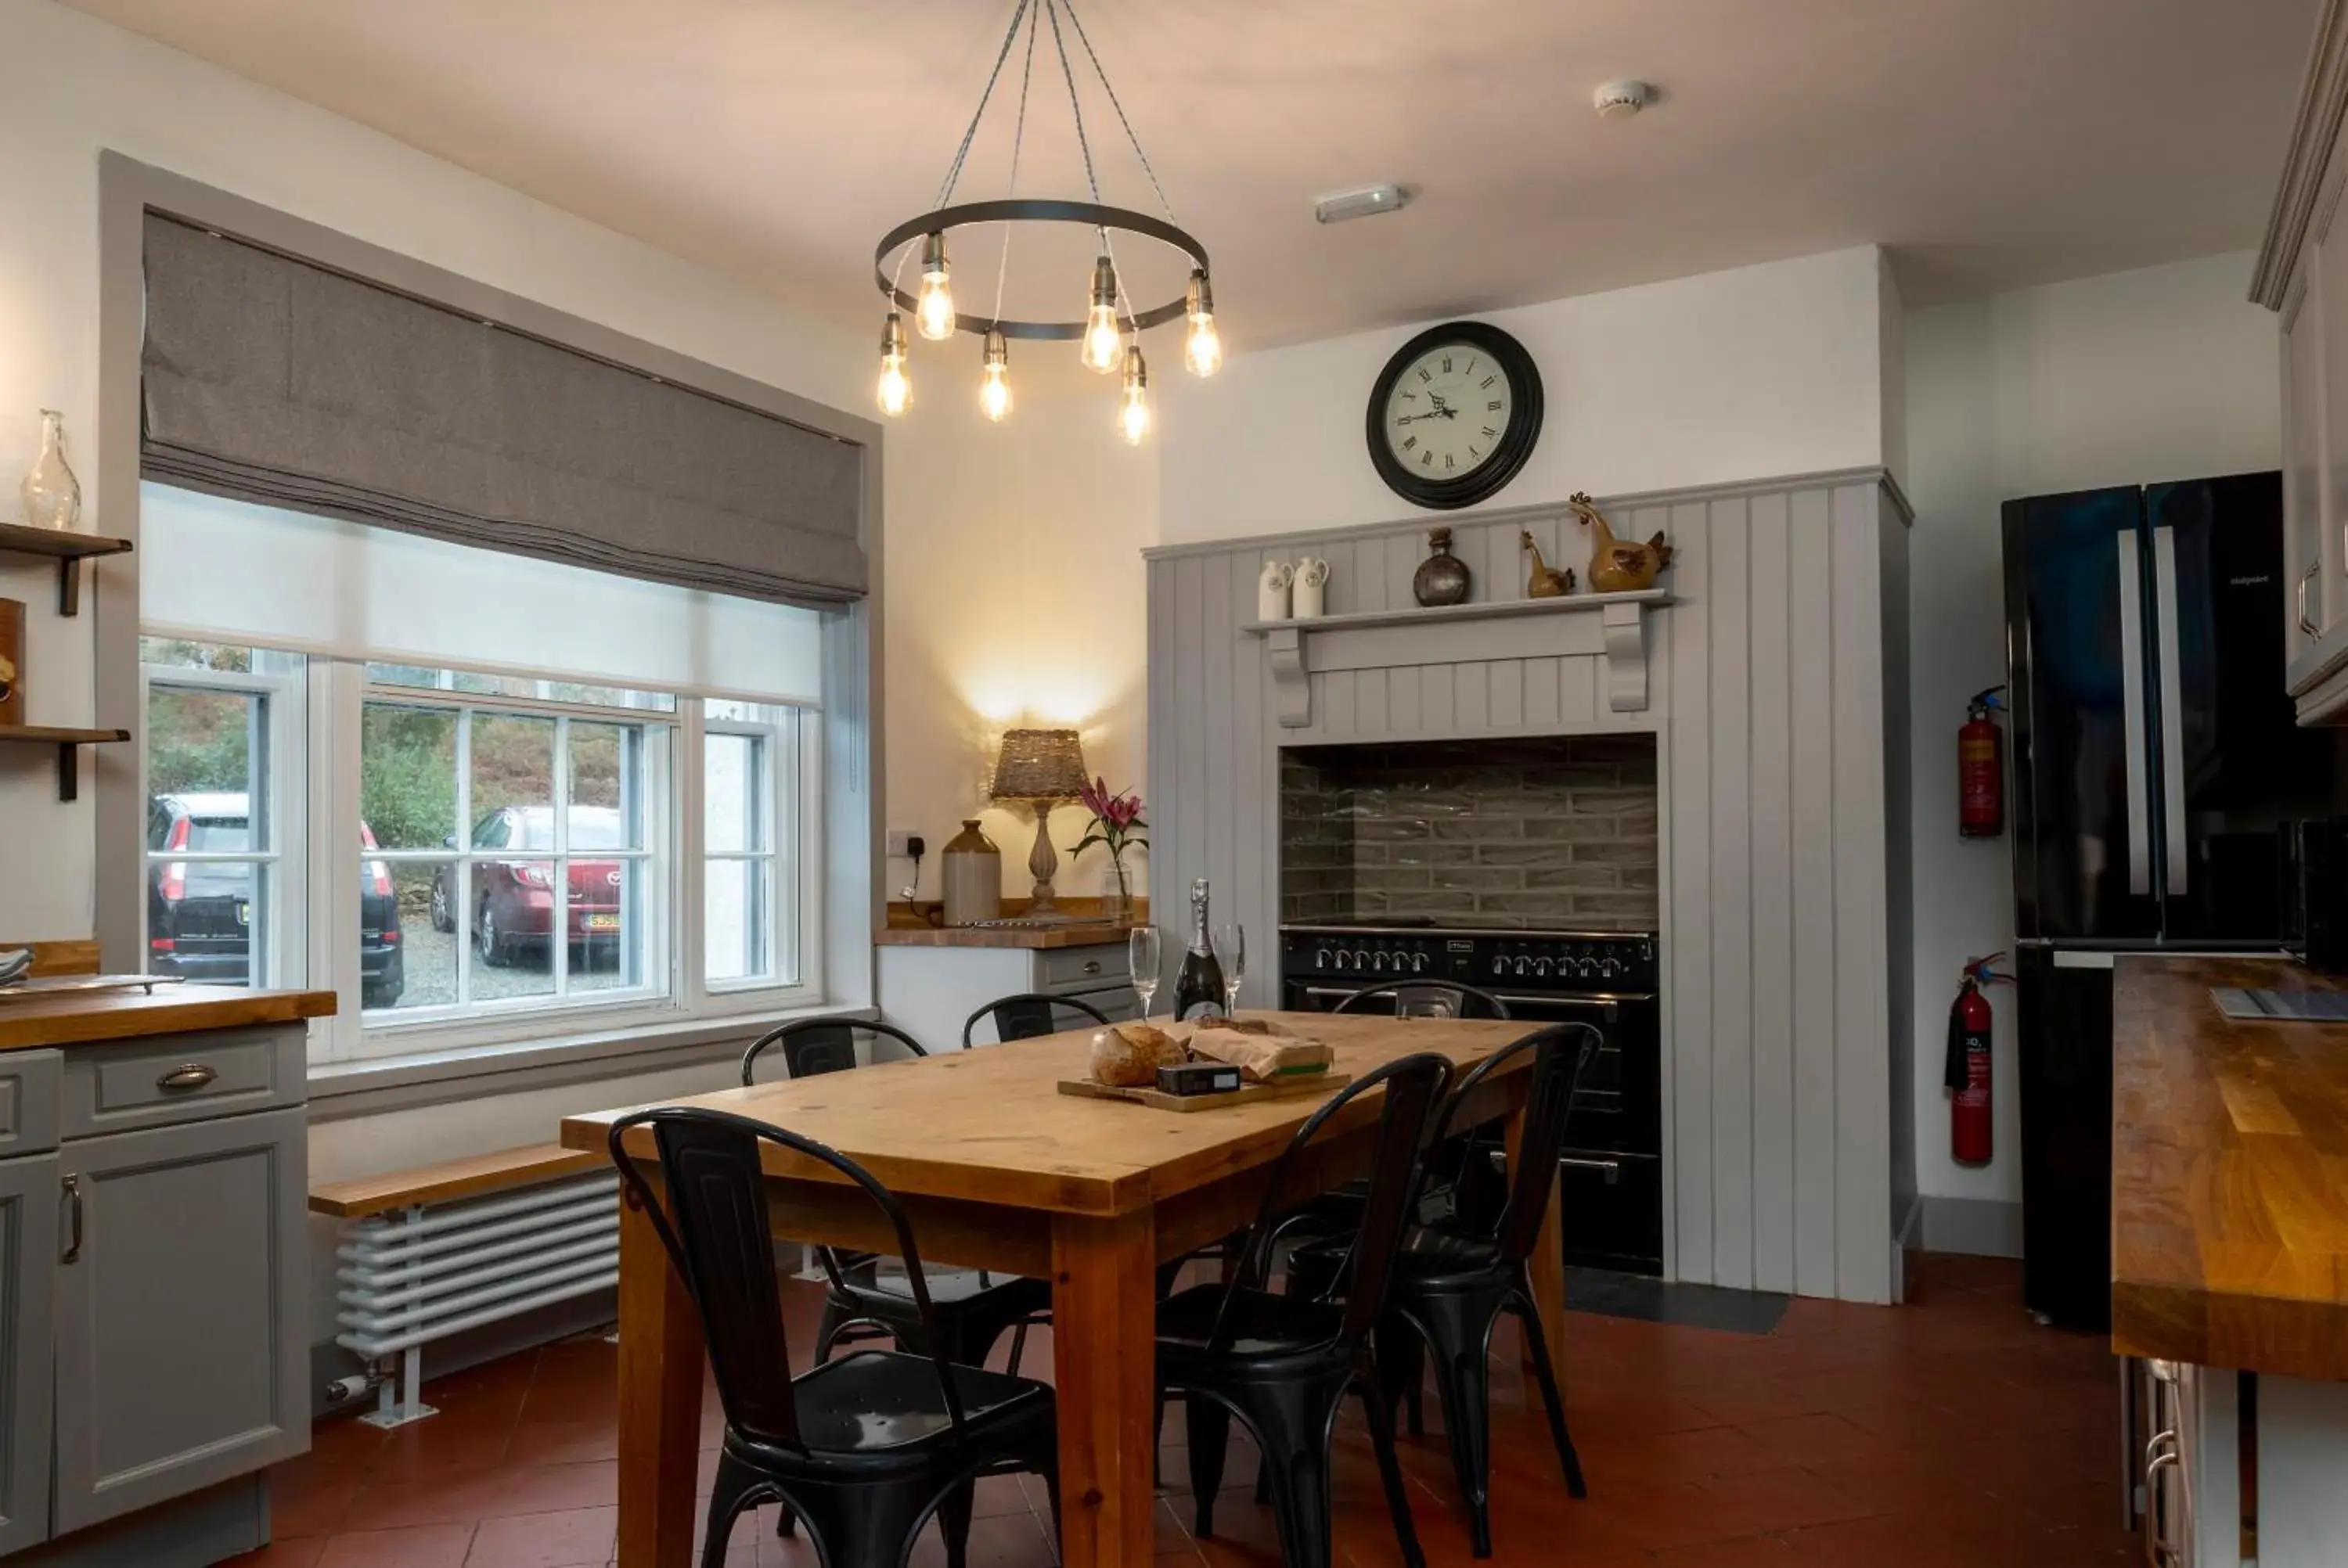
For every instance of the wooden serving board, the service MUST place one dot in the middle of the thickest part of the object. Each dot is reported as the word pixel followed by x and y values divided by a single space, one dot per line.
pixel 1158 1098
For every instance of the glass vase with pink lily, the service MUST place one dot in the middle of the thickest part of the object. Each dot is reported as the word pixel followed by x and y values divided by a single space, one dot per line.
pixel 1116 824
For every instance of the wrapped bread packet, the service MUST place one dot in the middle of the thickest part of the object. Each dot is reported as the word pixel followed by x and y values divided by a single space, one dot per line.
pixel 1262 1057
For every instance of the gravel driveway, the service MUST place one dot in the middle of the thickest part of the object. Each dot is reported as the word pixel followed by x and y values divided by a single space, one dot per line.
pixel 432 970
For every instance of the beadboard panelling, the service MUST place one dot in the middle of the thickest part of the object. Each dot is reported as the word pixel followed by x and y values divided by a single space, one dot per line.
pixel 1770 683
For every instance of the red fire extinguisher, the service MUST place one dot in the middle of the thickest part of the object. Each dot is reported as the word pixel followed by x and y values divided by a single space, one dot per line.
pixel 1967 1073
pixel 1981 768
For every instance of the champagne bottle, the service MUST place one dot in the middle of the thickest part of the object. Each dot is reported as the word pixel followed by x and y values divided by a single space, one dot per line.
pixel 1201 978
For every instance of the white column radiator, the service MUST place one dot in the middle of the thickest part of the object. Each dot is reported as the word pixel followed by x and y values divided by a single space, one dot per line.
pixel 430 1270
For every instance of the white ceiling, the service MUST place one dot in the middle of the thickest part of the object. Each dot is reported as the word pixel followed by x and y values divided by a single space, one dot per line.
pixel 1989 143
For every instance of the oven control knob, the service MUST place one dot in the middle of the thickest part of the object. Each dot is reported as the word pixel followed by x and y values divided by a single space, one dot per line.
pixel 1418 963
pixel 1378 962
pixel 1339 964
pixel 1521 966
pixel 1499 965
pixel 1320 958
pixel 1610 966
pixel 1541 967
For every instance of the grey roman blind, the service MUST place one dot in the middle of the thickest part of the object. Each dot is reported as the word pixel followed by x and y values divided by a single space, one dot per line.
pixel 272 380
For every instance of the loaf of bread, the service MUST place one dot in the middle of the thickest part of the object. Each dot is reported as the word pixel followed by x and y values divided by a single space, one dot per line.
pixel 1129 1055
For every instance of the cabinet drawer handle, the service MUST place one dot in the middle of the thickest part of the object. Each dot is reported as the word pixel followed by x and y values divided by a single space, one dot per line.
pixel 1613 1169
pixel 2306 580
pixel 73 1220
pixel 193 1075
pixel 1092 965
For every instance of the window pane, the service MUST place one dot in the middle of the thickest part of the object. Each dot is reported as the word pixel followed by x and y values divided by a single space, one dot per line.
pixel 206 921
pixel 736 943
pixel 513 766
pixel 407 775
pixel 731 795
pixel 512 921
pixel 203 752
pixel 184 655
pixel 606 786
pixel 608 925
pixel 407 958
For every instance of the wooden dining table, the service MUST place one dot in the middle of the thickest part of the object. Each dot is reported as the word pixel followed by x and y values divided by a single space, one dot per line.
pixel 997 1170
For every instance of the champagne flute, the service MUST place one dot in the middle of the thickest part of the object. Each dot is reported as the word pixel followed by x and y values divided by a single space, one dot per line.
pixel 1231 951
pixel 1142 957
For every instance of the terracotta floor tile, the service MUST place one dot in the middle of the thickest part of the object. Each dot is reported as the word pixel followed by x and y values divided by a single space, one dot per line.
pixel 420 1546
pixel 574 1538
pixel 298 1552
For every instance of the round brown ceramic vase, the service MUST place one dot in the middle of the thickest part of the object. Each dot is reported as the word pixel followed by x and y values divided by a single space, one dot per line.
pixel 1442 578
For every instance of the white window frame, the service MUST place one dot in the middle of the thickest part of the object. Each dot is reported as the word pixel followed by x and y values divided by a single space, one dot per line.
pixel 656 834
pixel 779 741
pixel 316 725
pixel 281 825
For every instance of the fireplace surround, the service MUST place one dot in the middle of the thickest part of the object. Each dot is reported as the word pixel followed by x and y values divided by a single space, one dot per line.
pixel 1769 680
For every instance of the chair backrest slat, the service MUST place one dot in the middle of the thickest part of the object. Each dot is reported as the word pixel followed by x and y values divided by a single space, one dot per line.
pixel 812 1046
pixel 1026 1016
pixel 1561 1054
pixel 1413 1087
pixel 715 1232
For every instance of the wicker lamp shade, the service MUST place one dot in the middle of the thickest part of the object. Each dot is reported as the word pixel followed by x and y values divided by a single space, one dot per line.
pixel 1040 764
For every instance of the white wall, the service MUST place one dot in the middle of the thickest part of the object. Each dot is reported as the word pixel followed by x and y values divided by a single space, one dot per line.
pixel 82 86
pixel 1015 594
pixel 1730 377
pixel 2163 373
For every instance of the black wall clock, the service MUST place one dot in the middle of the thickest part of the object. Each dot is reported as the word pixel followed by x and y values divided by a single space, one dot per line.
pixel 1454 414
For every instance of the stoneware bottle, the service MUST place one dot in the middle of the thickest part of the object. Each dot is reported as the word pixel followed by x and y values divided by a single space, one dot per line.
pixel 1312 583
pixel 971 868
pixel 52 495
pixel 1272 591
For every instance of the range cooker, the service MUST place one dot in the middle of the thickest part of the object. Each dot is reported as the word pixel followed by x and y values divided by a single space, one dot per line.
pixel 1610 1179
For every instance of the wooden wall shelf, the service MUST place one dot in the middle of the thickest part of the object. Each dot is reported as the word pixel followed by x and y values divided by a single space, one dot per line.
pixel 68 743
pixel 66 549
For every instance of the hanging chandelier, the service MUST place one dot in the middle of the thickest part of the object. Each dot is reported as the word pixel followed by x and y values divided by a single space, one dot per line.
pixel 1108 334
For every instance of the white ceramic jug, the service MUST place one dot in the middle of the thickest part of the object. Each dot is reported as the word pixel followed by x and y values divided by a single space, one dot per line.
pixel 1272 591
pixel 1311 581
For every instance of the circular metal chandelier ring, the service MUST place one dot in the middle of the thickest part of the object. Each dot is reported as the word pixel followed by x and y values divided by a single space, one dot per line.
pixel 1036 210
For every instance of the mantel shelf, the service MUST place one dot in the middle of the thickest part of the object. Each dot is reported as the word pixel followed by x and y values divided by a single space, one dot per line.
pixel 1486 609
pixel 1495 629
pixel 65 546
pixel 67 743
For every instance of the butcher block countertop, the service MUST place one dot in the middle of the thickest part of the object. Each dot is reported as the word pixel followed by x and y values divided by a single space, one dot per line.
pixel 2229 1172
pixel 78 1018
pixel 1087 934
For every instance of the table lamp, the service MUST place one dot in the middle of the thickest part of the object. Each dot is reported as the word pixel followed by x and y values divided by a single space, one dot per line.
pixel 1046 766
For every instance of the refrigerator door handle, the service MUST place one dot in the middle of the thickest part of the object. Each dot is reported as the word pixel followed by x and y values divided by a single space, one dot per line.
pixel 2172 709
pixel 2139 826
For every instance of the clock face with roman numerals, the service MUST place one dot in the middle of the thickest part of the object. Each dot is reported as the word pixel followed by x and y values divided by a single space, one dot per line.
pixel 1454 415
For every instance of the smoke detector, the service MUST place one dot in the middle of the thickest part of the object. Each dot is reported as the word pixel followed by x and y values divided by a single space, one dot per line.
pixel 1620 101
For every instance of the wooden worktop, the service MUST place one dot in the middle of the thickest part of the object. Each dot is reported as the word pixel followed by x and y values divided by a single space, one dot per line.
pixel 2229 1172
pixel 1087 934
pixel 78 1018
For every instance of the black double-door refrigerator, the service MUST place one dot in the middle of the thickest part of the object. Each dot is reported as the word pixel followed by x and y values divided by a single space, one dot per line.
pixel 2155 758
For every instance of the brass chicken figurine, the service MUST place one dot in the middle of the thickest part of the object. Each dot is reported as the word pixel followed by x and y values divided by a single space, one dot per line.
pixel 1615 567
pixel 1546 581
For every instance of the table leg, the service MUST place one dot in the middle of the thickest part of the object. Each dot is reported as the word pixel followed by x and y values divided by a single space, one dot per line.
pixel 1104 1315
pixel 1547 1264
pixel 661 1359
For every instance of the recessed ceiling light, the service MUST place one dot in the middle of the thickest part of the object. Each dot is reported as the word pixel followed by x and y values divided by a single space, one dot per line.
pixel 1362 203
pixel 1620 101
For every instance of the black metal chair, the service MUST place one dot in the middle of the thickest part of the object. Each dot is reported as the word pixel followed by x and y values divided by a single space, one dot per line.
pixel 1026 1016
pixel 1453 1276
pixel 865 1449
pixel 868 1297
pixel 1425 999
pixel 1283 1364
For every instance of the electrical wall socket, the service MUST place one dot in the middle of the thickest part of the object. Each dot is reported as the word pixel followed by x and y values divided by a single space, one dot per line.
pixel 904 844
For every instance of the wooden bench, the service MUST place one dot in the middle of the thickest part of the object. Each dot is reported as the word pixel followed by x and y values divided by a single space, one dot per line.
pixel 451 1179
pixel 436 1250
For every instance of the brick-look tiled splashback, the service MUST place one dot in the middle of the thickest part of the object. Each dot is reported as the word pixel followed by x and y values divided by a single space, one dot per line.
pixel 1545 834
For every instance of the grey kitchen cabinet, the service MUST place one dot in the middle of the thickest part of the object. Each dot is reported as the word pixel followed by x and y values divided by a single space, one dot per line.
pixel 181 1301
pixel 2302 276
pixel 28 1256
